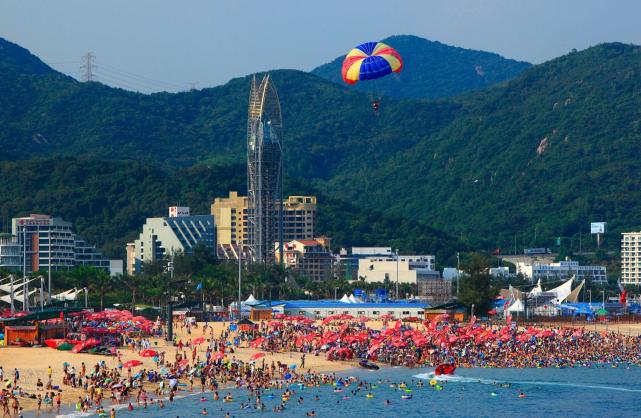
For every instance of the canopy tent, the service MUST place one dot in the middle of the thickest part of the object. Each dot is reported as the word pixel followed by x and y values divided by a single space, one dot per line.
pixel 345 299
pixel 537 289
pixel 69 295
pixel 251 301
pixel 573 297
pixel 352 299
pixel 17 296
pixel 563 291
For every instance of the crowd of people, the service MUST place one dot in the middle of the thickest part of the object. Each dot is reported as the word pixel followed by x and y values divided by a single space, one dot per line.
pixel 438 341
pixel 208 362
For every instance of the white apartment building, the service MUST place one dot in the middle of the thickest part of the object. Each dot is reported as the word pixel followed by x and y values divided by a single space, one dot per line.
pixel 631 258
pixel 10 252
pixel 562 270
pixel 409 268
pixel 161 237
pixel 45 239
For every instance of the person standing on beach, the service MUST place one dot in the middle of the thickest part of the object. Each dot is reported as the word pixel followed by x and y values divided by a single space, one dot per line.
pixel 49 372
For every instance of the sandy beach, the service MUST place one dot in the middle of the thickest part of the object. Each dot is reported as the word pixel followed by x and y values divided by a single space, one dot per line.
pixel 33 362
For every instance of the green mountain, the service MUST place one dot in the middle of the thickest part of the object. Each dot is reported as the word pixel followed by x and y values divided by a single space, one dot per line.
pixel 432 70
pixel 328 129
pixel 536 157
pixel 108 202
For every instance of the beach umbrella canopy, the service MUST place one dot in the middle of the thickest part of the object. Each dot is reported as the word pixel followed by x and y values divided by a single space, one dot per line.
pixel 256 356
pixel 148 353
pixel 199 340
pixel 132 363
pixel 257 342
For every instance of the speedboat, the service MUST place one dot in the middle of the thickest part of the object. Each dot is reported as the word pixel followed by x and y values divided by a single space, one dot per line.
pixel 366 364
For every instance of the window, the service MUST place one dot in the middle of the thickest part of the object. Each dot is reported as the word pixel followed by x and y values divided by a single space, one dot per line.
pixel 375 312
pixel 406 312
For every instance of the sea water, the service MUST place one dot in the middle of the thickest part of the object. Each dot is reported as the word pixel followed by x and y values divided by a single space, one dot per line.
pixel 572 392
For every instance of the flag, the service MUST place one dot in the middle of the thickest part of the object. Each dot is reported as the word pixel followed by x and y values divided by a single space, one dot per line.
pixel 623 299
pixel 200 286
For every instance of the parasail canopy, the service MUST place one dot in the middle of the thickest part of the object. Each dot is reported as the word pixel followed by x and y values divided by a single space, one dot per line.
pixel 370 61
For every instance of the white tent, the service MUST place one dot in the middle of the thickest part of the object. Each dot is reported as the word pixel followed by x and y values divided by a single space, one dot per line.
pixel 251 301
pixel 17 285
pixel 345 299
pixel 517 306
pixel 537 289
pixel 563 291
pixel 17 297
pixel 352 299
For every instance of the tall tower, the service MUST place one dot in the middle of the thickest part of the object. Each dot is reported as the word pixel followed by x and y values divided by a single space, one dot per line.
pixel 264 173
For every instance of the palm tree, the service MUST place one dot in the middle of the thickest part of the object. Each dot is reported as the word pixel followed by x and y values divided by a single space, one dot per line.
pixel 101 282
pixel 135 284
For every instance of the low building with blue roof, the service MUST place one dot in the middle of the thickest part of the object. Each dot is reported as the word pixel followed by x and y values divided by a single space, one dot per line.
pixel 317 309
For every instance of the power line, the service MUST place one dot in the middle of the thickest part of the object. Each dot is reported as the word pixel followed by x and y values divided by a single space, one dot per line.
pixel 146 79
pixel 88 66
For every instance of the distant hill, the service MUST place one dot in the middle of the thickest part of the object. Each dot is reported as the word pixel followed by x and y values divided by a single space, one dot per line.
pixel 532 158
pixel 537 158
pixel 108 202
pixel 432 70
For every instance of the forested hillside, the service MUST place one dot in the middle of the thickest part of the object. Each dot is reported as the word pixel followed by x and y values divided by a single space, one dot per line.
pixel 536 157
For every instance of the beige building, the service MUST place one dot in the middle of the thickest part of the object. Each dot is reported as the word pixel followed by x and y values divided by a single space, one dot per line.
pixel 310 257
pixel 230 213
pixel 404 268
pixel 631 258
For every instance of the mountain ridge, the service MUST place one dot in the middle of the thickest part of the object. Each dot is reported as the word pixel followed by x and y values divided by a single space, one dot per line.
pixel 543 151
pixel 432 70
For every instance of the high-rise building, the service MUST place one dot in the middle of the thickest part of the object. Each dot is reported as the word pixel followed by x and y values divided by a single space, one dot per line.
pixel 264 172
pixel 230 213
pixel 10 252
pixel 44 240
pixel 163 237
pixel 631 258
pixel 299 217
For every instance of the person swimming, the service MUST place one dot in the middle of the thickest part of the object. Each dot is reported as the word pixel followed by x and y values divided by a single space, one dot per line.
pixel 204 412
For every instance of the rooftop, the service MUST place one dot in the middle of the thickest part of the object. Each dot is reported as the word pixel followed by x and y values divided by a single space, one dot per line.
pixel 311 304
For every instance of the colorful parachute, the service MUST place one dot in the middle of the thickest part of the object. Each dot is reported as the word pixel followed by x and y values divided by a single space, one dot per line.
pixel 369 61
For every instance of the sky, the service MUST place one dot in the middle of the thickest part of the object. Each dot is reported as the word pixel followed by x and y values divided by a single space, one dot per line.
pixel 151 45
